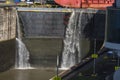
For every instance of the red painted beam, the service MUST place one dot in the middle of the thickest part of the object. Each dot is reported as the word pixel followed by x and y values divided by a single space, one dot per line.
pixel 85 3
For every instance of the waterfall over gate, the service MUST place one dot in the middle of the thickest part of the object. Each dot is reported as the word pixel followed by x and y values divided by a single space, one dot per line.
pixel 22 54
pixel 71 52
pixel 43 32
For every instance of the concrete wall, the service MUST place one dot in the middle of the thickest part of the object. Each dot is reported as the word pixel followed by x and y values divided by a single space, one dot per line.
pixel 42 24
pixel 7 54
pixel 7 23
pixel 43 34
pixel 40 29
pixel 43 51
pixel 7 38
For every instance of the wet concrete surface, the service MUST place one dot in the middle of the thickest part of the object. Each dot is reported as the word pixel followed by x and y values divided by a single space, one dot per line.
pixel 30 74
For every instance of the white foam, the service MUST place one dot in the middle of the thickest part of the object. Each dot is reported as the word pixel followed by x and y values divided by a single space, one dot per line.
pixel 21 68
pixel 64 68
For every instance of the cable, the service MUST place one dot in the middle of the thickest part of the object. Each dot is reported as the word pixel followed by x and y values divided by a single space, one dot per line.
pixel 94 62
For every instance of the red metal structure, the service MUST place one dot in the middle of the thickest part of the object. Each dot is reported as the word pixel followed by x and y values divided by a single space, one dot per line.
pixel 100 4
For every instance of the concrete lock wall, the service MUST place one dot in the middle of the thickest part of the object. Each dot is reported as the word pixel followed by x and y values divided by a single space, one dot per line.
pixel 43 34
pixel 7 23
pixel 7 37
pixel 42 24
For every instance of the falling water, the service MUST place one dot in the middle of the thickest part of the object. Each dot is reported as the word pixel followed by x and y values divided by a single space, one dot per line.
pixel 71 52
pixel 22 54
pixel 22 57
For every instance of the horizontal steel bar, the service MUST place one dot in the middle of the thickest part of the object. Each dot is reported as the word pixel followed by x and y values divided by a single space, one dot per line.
pixel 44 9
pixel 27 9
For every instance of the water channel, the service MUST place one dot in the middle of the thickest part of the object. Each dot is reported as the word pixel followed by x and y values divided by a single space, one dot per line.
pixel 42 39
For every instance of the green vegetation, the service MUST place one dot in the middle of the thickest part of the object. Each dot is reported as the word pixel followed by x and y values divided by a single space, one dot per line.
pixel 56 78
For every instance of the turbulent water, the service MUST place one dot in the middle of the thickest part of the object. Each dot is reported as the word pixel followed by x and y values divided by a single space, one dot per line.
pixel 22 54
pixel 71 52
pixel 22 57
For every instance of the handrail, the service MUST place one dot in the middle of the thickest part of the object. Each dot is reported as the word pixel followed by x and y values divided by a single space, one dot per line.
pixel 76 68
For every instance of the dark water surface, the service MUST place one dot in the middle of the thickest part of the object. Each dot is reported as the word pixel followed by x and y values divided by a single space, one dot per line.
pixel 30 74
